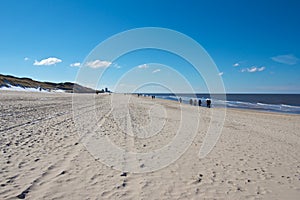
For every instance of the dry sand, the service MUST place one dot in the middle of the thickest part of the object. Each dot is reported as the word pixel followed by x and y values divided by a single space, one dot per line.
pixel 43 157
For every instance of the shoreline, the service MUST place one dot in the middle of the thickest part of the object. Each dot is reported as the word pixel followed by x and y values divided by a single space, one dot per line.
pixel 282 103
pixel 158 98
pixel 230 108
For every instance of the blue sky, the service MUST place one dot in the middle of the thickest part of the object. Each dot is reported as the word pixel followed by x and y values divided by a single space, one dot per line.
pixel 255 44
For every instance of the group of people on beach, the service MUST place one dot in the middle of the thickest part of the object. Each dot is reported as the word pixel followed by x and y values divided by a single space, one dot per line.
pixel 194 102
pixel 152 96
pixel 199 102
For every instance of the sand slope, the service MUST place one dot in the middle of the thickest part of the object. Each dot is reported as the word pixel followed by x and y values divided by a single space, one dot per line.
pixel 43 157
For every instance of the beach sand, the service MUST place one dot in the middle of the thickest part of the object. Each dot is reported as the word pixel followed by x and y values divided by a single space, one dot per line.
pixel 44 156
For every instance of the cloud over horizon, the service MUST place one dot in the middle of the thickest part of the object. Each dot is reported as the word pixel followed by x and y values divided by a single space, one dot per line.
pixel 236 64
pixel 76 64
pixel 98 64
pixel 254 69
pixel 143 66
pixel 288 59
pixel 156 70
pixel 47 61
pixel 115 65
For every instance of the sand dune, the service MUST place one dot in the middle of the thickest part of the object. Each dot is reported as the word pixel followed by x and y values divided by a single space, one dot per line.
pixel 44 154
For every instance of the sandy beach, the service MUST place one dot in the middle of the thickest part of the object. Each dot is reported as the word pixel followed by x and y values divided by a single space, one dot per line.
pixel 44 154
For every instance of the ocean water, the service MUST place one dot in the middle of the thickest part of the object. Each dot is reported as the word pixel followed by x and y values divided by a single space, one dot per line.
pixel 286 103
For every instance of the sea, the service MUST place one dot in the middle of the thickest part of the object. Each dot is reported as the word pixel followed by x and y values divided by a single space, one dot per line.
pixel 283 103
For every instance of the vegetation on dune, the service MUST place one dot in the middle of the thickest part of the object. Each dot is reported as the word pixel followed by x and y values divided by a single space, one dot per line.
pixel 7 81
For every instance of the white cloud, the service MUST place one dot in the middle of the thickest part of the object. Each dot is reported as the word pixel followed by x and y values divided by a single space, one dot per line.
pixel 47 61
pixel 144 66
pixel 26 59
pixel 221 73
pixel 76 64
pixel 155 71
pixel 254 69
pixel 289 59
pixel 115 65
pixel 98 64
pixel 261 69
pixel 236 64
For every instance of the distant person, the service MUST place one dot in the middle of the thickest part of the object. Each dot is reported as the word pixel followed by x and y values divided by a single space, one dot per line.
pixel 199 102
pixel 195 102
pixel 208 103
pixel 180 100
pixel 191 101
